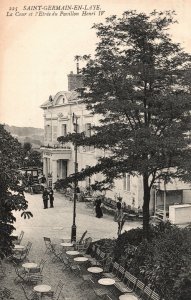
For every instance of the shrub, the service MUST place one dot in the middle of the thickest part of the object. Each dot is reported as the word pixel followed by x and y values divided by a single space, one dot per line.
pixel 163 261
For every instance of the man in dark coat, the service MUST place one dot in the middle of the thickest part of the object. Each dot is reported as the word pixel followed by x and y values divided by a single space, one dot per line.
pixel 45 198
pixel 51 197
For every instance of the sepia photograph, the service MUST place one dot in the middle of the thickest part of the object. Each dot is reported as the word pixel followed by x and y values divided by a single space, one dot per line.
pixel 95 150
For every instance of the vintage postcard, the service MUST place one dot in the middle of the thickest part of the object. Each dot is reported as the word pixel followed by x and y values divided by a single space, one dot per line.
pixel 42 42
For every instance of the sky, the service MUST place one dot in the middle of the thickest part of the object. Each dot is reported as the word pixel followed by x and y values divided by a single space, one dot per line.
pixel 37 52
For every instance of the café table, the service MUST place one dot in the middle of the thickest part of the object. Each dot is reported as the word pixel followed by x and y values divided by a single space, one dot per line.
pixel 106 281
pixel 81 259
pixel 72 252
pixel 95 270
pixel 128 297
pixel 30 266
pixel 18 248
pixel 14 236
pixel 41 289
pixel 66 244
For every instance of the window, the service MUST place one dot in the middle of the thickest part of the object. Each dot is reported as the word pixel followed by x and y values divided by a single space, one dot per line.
pixel 88 133
pixel 54 133
pixel 47 135
pixel 64 130
pixel 126 182
pixel 76 127
pixel 88 129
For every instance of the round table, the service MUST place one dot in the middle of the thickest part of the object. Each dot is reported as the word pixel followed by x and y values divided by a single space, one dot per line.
pixel 66 244
pixel 81 259
pixel 29 265
pixel 72 252
pixel 106 281
pixel 18 247
pixel 15 237
pixel 95 270
pixel 127 297
pixel 42 288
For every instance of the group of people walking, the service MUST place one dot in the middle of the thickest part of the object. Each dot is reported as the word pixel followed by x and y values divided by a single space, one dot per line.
pixel 48 195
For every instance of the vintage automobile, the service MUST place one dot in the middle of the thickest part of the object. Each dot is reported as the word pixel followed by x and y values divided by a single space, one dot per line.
pixel 31 180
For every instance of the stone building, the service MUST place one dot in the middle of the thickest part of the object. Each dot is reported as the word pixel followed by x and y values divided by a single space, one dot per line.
pixel 58 160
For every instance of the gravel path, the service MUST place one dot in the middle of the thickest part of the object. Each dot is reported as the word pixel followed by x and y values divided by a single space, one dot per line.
pixel 56 223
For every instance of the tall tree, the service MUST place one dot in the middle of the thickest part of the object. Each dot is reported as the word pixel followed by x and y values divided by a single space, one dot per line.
pixel 11 193
pixel 138 84
pixel 27 148
pixel 32 158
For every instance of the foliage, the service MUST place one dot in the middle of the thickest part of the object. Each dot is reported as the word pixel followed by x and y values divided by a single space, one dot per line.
pixel 27 148
pixel 34 159
pixel 164 261
pixel 138 85
pixel 105 245
pixel 31 158
pixel 11 193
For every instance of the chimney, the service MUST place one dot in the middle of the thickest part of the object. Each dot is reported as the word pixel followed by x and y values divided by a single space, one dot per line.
pixel 75 81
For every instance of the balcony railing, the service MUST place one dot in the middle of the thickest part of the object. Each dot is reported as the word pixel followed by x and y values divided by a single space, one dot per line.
pixel 56 146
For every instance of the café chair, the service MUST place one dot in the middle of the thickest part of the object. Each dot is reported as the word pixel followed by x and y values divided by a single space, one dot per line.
pixel 87 281
pixel 80 240
pixel 139 288
pixel 94 260
pixel 83 247
pixel 128 284
pixel 2 269
pixel 154 296
pixel 49 245
pixel 34 278
pixel 114 271
pixel 147 292
pixel 18 241
pixel 39 268
pixel 108 297
pixel 102 259
pixel 54 295
pixel 98 291
pixel 32 296
pixel 5 294
pixel 21 274
pixel 20 256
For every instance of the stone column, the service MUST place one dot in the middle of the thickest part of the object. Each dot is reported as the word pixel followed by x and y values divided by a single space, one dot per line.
pixel 54 172
pixel 45 167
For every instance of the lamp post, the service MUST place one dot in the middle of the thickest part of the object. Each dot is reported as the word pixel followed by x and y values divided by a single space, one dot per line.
pixel 51 102
pixel 73 232
pixel 164 212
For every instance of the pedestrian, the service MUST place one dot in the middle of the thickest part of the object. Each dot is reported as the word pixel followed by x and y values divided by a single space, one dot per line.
pixel 45 198
pixel 51 197
pixel 43 181
pixel 119 216
pixel 98 209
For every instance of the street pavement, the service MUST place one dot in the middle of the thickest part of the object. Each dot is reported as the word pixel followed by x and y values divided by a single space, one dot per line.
pixel 56 222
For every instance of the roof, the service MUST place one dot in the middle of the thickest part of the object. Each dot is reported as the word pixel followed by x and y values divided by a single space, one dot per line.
pixel 63 97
